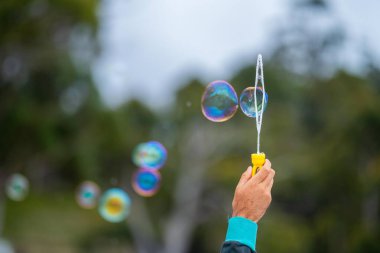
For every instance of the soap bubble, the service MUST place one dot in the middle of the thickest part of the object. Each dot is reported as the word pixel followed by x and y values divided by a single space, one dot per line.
pixel 17 187
pixel 6 246
pixel 150 155
pixel 219 101
pixel 146 182
pixel 114 205
pixel 88 194
pixel 247 101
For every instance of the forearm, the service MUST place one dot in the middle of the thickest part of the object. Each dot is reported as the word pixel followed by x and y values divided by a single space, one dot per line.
pixel 235 247
pixel 241 236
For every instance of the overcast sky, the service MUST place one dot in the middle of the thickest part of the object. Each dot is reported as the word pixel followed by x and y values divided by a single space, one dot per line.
pixel 150 47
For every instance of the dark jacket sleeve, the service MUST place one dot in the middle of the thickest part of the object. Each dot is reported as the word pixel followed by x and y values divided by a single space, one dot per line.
pixel 235 247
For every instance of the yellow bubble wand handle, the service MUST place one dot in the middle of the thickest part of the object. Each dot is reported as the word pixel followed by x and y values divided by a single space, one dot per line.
pixel 258 161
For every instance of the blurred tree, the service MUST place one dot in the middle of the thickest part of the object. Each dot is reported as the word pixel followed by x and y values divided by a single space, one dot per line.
pixel 310 41
pixel 321 131
pixel 45 96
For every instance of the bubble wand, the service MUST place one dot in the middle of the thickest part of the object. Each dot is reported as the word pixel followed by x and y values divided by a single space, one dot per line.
pixel 258 159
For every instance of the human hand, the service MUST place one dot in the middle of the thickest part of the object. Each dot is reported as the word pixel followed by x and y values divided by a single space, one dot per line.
pixel 253 194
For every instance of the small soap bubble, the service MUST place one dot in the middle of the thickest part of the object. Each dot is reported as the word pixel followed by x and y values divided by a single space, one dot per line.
pixel 114 205
pixel 247 101
pixel 150 155
pixel 219 101
pixel 88 194
pixel 146 182
pixel 17 187
pixel 6 246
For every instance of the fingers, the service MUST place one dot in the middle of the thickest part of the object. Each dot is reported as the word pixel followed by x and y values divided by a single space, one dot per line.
pixel 260 176
pixel 245 176
pixel 270 185
pixel 267 164
pixel 268 181
pixel 263 173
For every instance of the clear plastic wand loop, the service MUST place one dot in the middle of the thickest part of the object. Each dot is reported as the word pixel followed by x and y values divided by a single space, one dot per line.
pixel 258 159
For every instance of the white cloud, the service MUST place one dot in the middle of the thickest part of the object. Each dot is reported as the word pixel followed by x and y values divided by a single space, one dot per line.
pixel 148 44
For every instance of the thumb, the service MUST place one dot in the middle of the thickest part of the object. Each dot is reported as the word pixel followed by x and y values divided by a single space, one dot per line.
pixel 245 176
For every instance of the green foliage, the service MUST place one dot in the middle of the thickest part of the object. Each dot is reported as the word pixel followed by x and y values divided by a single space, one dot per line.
pixel 321 134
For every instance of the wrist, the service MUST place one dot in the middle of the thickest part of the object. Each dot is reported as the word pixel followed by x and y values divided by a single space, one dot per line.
pixel 248 216
pixel 242 230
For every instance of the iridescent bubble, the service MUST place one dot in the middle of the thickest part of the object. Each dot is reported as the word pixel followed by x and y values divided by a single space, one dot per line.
pixel 150 155
pixel 88 194
pixel 17 187
pixel 6 246
pixel 219 101
pixel 114 205
pixel 146 182
pixel 247 101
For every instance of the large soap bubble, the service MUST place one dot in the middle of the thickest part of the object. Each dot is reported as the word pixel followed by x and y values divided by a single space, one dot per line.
pixel 146 182
pixel 17 187
pixel 247 101
pixel 219 101
pixel 88 194
pixel 150 155
pixel 114 205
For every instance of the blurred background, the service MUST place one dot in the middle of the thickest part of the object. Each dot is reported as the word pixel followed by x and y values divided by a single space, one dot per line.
pixel 82 82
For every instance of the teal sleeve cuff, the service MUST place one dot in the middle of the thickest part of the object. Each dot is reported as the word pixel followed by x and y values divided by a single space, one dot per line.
pixel 243 231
